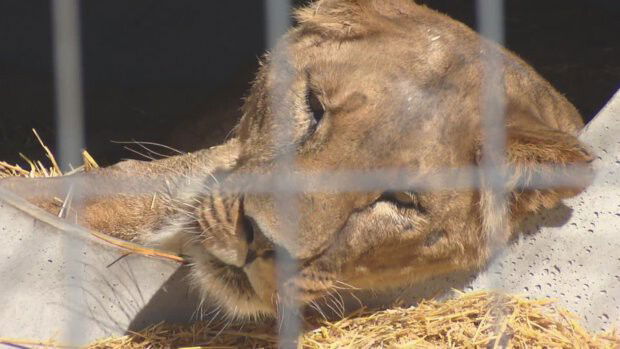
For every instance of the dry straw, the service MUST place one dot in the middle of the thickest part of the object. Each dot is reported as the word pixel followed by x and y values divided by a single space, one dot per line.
pixel 470 320
pixel 37 169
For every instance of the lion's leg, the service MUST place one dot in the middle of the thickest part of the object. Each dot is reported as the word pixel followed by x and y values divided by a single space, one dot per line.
pixel 125 198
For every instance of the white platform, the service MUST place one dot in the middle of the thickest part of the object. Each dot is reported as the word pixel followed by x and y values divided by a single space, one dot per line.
pixel 573 252
pixel 78 296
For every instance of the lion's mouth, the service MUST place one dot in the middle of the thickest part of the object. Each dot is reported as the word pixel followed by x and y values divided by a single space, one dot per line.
pixel 233 277
pixel 295 293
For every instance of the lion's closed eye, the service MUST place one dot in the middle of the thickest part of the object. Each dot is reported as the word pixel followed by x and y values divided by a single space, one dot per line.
pixel 403 199
pixel 315 107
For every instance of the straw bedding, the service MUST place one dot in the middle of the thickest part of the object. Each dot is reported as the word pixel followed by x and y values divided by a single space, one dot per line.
pixel 469 320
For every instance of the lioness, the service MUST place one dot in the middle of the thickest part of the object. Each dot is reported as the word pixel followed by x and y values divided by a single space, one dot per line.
pixel 357 85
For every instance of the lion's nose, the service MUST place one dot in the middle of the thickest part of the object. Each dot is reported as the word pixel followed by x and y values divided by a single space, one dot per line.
pixel 259 245
pixel 239 252
pixel 228 239
pixel 232 252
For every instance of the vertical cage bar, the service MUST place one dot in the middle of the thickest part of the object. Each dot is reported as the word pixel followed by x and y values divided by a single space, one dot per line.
pixel 277 22
pixel 68 82
pixel 490 15
pixel 69 141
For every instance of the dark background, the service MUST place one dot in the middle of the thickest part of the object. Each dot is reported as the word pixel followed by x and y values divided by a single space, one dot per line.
pixel 173 72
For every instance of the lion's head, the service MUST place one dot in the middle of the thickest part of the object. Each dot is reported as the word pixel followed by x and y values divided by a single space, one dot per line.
pixel 357 87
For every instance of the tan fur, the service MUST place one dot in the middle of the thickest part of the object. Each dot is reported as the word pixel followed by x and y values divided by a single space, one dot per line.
pixel 401 87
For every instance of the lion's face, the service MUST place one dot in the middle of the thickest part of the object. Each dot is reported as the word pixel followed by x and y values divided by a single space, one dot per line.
pixel 363 85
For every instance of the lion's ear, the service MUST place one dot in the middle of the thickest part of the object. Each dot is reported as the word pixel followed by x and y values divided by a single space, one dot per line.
pixel 538 158
pixel 349 19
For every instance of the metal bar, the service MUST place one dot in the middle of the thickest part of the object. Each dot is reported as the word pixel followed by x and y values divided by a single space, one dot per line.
pixel 284 180
pixel 277 22
pixel 69 142
pixel 68 82
pixel 490 20
pixel 490 15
